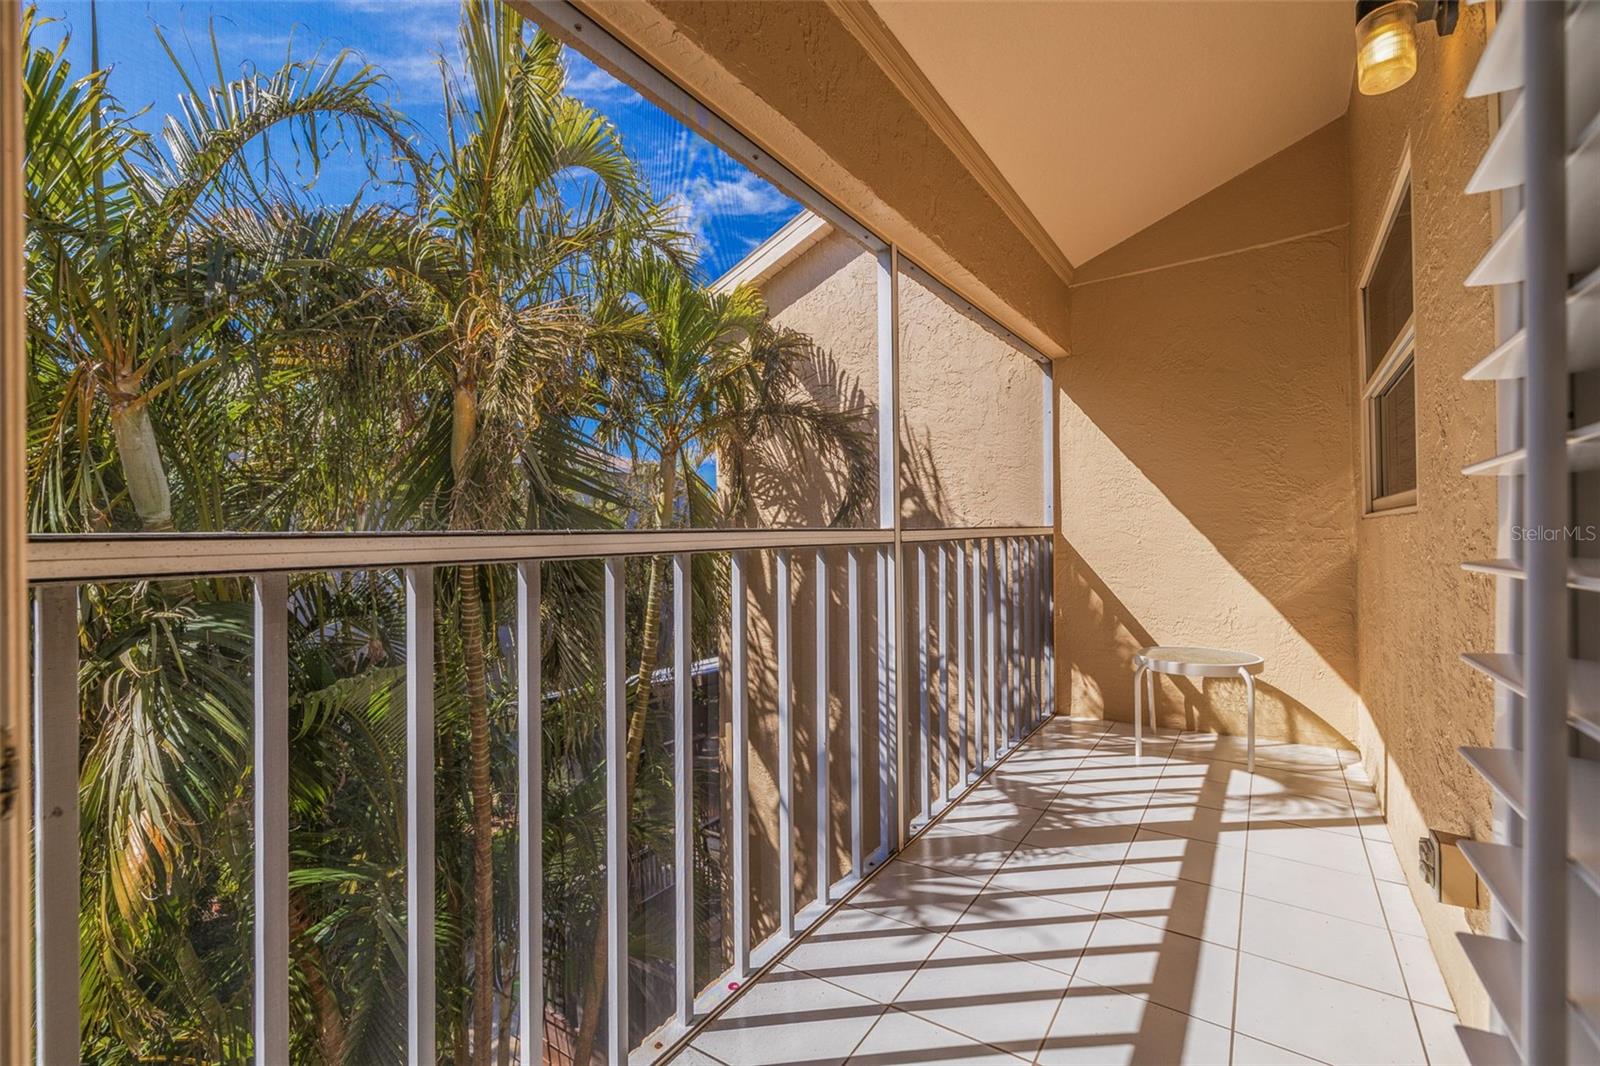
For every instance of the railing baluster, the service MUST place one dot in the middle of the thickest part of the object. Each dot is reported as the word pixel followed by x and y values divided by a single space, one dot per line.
pixel 961 661
pixel 1029 695
pixel 1008 650
pixel 991 640
pixel 887 718
pixel 740 785
pixel 271 831
pixel 530 815
pixel 781 589
pixel 1019 626
pixel 824 792
pixel 419 817
pixel 979 751
pixel 924 683
pixel 616 704
pixel 57 864
pixel 1050 625
pixel 942 670
pixel 1036 643
pixel 853 627
pixel 683 782
pixel 1038 624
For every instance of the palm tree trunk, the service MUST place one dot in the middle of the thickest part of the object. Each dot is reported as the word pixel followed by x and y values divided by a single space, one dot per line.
pixel 648 647
pixel 482 819
pixel 142 468
pixel 464 431
pixel 329 1019
pixel 508 1007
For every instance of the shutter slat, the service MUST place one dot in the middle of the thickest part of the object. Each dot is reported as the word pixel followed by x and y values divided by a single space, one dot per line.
pixel 1583 685
pixel 1582 574
pixel 1510 359
pixel 1502 769
pixel 1500 67
pixel 1506 261
pixel 1484 1048
pixel 1583 453
pixel 1499 966
pixel 1500 868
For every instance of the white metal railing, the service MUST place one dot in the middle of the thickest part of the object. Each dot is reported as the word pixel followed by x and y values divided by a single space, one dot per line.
pixel 990 607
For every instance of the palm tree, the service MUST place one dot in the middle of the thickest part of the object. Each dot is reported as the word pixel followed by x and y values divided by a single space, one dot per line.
pixel 711 376
pixel 129 281
pixel 139 310
pixel 489 303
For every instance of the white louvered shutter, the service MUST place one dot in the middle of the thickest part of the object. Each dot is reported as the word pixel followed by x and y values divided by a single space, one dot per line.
pixel 1542 965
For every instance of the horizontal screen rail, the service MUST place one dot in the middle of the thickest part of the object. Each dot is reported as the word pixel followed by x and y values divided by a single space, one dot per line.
pixel 133 556
pixel 926 536
pixel 137 556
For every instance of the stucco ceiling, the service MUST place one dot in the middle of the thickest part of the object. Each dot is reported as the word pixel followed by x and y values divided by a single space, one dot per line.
pixel 1107 116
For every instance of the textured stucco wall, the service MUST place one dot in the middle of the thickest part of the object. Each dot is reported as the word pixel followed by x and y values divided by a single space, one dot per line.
pixel 792 76
pixel 1206 465
pixel 972 419
pixel 1417 610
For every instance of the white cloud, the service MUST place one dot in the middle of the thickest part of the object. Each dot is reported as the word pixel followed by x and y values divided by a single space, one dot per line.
pixel 594 86
pixel 744 194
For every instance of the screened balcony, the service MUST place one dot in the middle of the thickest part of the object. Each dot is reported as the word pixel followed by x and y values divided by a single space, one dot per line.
pixel 592 531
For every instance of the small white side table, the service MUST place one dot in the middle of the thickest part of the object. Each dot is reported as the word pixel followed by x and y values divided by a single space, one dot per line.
pixel 1192 662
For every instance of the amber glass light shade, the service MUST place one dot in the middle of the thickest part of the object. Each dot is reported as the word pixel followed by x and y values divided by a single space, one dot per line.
pixel 1386 47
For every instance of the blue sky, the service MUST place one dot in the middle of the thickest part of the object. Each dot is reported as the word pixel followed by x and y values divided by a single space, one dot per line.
pixel 725 205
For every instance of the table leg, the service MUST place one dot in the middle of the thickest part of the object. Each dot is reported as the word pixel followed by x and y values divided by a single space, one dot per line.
pixel 1250 720
pixel 1150 700
pixel 1138 712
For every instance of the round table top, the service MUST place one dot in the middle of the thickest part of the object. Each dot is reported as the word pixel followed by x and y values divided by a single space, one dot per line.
pixel 1198 662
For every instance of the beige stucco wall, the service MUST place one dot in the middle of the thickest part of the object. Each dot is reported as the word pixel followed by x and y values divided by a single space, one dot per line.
pixel 1207 464
pixel 972 419
pixel 1417 610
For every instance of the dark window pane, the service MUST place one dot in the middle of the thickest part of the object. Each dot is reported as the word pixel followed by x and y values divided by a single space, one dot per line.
pixel 1387 297
pixel 1397 435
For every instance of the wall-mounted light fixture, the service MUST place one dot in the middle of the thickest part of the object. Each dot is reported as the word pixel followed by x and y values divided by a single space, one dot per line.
pixel 1386 39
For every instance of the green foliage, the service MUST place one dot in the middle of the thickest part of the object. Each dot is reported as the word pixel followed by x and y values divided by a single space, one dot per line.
pixel 211 348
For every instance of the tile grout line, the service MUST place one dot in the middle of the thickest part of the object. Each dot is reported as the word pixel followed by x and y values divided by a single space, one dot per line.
pixel 943 934
pixel 946 933
pixel 1399 963
pixel 1100 913
pixel 1388 926
pixel 686 1041
pixel 1100 745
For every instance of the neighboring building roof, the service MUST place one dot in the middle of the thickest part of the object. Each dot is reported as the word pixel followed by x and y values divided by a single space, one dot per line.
pixel 776 252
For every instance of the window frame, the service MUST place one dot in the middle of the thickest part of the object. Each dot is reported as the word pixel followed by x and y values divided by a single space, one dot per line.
pixel 1401 354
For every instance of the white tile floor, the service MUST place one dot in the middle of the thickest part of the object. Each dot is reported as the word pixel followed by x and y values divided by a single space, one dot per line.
pixel 1085 906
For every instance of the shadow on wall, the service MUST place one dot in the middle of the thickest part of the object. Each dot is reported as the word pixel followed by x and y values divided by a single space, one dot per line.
pixel 922 497
pixel 788 488
pixel 1107 635
pixel 1208 457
